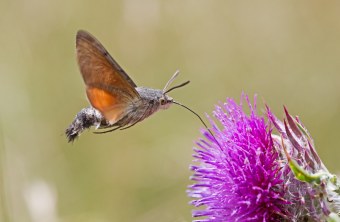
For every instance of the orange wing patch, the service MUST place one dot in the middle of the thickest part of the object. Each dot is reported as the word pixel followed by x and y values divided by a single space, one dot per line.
pixel 109 105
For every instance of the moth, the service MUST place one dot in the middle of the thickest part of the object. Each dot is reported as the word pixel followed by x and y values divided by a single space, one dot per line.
pixel 116 101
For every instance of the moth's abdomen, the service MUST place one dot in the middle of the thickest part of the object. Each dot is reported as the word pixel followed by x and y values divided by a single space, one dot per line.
pixel 85 119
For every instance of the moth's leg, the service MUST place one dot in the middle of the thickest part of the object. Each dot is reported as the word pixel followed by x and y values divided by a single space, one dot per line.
pixel 105 126
pixel 107 131
pixel 127 127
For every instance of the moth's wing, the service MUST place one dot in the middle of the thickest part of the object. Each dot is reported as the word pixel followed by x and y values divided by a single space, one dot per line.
pixel 109 89
pixel 91 52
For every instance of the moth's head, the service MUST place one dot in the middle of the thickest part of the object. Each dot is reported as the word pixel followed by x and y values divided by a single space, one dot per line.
pixel 165 101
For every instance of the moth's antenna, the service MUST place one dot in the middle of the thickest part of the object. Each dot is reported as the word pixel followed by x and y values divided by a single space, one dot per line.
pixel 175 87
pixel 171 80
pixel 205 125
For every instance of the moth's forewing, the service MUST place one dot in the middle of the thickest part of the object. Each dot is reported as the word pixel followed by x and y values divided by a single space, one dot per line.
pixel 108 88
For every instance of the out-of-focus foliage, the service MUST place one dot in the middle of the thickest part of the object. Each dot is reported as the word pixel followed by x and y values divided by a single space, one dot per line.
pixel 286 51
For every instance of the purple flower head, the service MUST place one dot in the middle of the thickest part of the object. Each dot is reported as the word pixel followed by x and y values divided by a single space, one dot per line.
pixel 244 172
pixel 238 177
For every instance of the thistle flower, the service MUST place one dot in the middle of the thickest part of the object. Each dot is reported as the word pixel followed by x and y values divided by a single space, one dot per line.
pixel 246 173
pixel 312 190
pixel 239 178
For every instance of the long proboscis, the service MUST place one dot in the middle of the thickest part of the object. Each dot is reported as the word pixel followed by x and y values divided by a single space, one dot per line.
pixel 199 117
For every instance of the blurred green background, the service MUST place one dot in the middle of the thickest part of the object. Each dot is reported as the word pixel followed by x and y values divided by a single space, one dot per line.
pixel 285 51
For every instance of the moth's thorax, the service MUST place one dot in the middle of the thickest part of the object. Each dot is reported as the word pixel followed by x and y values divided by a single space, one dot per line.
pixel 148 102
pixel 154 97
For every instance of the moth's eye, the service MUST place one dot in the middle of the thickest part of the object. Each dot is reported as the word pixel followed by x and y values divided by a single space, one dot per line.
pixel 162 101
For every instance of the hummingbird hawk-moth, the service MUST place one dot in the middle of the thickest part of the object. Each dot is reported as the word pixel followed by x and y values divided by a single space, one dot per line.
pixel 116 101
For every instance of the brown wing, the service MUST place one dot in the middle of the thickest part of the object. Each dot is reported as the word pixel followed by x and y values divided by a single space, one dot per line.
pixel 108 87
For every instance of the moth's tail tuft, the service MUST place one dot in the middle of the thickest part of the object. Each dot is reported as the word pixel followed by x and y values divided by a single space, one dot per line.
pixel 85 119
pixel 71 134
